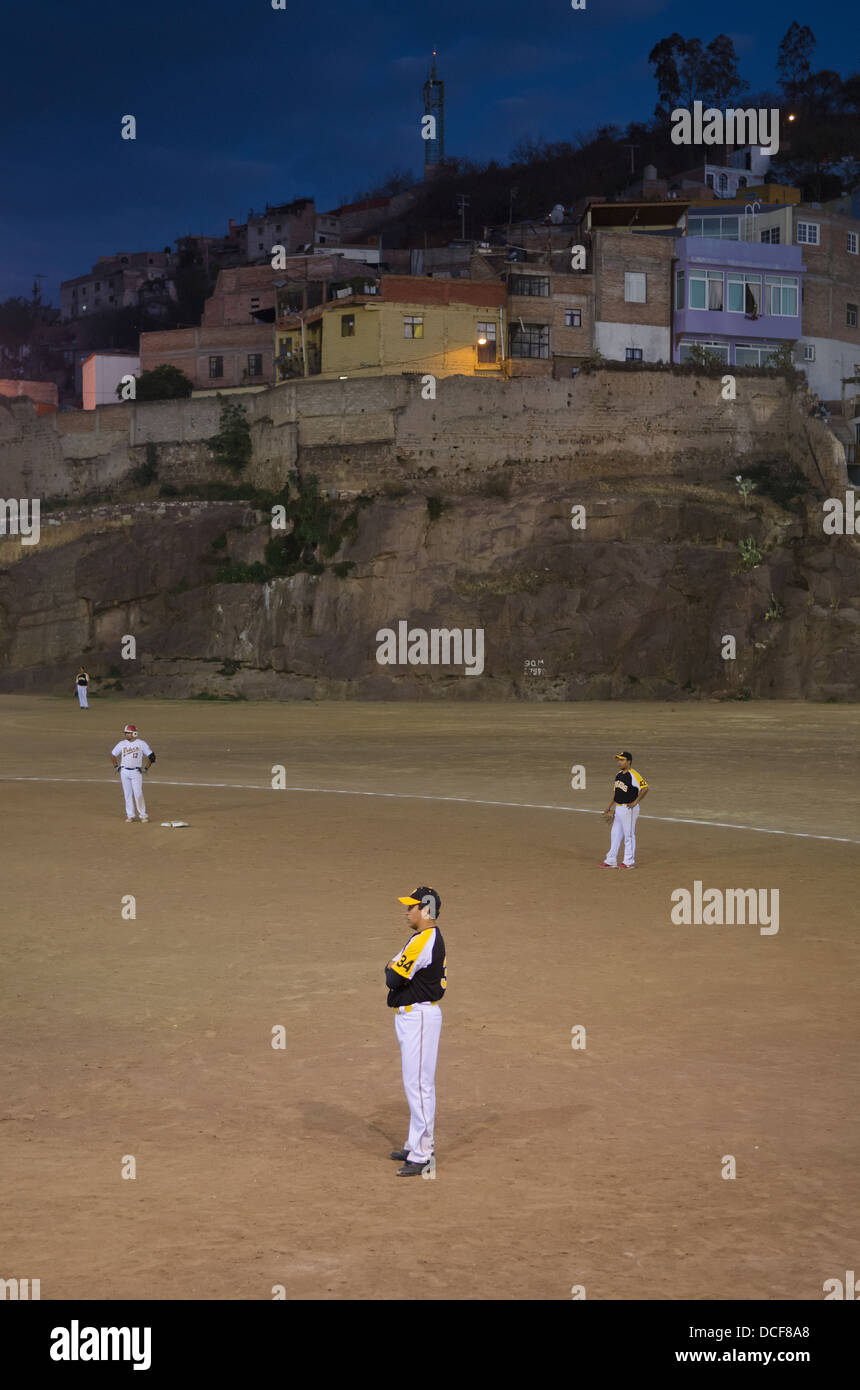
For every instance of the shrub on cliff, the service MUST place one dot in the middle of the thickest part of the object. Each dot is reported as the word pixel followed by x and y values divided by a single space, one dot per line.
pixel 231 446
pixel 161 384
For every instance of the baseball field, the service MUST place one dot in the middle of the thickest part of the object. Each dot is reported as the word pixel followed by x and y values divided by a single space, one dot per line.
pixel 137 1035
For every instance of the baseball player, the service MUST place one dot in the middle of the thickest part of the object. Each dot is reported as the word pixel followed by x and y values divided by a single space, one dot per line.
pixel 130 752
pixel 622 813
pixel 82 680
pixel 416 983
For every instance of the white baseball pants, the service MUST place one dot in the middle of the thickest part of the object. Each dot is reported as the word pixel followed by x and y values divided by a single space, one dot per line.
pixel 82 697
pixel 132 790
pixel 418 1035
pixel 623 828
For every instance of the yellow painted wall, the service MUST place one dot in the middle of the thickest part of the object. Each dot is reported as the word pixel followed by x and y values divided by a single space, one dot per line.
pixel 448 347
pixel 343 355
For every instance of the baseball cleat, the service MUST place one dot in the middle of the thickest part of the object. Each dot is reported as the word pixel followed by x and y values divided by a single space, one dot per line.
pixel 628 866
pixel 412 1170
pixel 604 865
pixel 144 818
pixel 129 820
pixel 399 1155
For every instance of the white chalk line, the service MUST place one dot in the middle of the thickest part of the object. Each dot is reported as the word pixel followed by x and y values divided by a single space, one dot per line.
pixel 463 800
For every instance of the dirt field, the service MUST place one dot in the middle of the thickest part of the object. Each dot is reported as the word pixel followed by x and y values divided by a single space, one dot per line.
pixel 555 1167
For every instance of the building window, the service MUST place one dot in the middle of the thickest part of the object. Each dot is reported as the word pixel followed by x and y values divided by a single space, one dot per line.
pixel 255 364
pixel 706 289
pixel 632 354
pixel 573 318
pixel 720 350
pixel 530 340
pixel 809 352
pixel 709 180
pixel 347 326
pixel 851 242
pixel 634 287
pixel 772 235
pixel 123 260
pixel 679 289
pixel 808 233
pixel 724 183
pixel 744 293
pixel 529 285
pixel 487 350
pixel 742 183
pixel 722 228
pixel 98 284
pixel 753 354
pixel 413 326
pixel 150 261
pixel 255 303
pixel 851 315
pixel 780 295
pixel 216 366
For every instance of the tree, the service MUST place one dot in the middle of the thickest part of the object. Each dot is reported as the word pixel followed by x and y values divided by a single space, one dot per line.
pixel 792 64
pixel 721 76
pixel 163 383
pixel 664 58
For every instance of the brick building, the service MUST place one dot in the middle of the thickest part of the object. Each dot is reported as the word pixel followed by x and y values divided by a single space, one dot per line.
pixel 291 225
pixel 632 251
pixel 116 282
pixel 214 358
pixel 43 394
pixel 829 347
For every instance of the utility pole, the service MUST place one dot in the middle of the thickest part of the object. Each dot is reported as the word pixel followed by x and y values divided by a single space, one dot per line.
pixel 464 203
pixel 631 148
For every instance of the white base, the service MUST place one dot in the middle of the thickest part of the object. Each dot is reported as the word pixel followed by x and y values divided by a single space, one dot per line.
pixel 174 824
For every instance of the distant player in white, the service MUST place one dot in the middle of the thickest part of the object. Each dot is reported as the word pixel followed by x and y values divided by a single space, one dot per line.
pixel 128 756
pixel 82 680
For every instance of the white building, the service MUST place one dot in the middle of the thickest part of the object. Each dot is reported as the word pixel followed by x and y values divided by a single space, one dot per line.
pixel 102 373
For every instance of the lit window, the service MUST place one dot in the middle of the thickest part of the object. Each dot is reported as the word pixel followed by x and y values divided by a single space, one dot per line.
pixel 347 325
pixel 486 343
pixel 413 326
pixel 634 287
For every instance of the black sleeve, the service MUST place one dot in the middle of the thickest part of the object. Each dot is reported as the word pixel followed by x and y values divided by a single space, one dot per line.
pixel 393 980
pixel 152 757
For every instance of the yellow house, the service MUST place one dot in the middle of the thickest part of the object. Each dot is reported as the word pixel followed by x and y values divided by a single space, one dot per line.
pixel 414 324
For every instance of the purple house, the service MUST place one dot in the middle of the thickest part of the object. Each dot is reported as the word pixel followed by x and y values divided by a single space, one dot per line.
pixel 739 299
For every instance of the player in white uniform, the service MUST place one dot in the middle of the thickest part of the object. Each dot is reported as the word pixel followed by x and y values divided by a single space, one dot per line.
pixel 128 756
pixel 416 980
pixel 628 791
pixel 82 680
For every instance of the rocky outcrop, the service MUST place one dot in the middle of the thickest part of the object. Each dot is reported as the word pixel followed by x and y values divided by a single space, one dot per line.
pixel 638 604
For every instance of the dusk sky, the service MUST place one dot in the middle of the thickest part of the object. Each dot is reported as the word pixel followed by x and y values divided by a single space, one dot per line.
pixel 238 104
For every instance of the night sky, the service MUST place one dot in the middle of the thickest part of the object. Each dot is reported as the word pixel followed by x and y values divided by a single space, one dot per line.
pixel 238 104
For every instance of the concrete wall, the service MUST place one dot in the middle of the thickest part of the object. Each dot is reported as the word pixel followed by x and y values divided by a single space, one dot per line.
pixel 360 435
